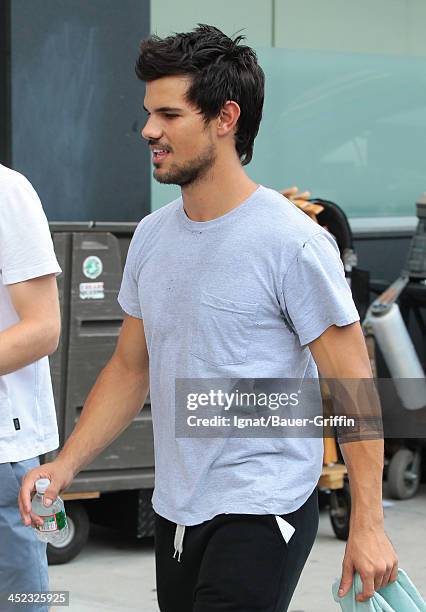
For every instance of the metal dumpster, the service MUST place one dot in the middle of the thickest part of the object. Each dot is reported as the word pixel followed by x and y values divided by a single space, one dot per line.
pixel 92 257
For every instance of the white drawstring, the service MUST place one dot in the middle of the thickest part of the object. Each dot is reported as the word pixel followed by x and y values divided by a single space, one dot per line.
pixel 178 543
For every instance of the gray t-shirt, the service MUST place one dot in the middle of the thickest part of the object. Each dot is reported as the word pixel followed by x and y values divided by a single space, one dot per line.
pixel 240 296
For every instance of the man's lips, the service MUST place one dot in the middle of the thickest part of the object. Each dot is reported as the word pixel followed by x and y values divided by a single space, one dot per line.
pixel 159 157
pixel 159 154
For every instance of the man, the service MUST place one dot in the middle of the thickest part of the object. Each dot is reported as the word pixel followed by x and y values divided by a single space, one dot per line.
pixel 29 331
pixel 229 281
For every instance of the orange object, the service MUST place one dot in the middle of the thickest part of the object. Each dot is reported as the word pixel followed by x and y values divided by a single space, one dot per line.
pixel 330 451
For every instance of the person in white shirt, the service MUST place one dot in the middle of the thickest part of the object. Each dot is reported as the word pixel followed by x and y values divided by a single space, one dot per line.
pixel 29 331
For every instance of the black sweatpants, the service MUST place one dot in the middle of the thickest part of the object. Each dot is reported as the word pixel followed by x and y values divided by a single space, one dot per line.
pixel 234 562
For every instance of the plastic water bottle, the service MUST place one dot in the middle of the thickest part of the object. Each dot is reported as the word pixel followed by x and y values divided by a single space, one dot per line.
pixel 55 526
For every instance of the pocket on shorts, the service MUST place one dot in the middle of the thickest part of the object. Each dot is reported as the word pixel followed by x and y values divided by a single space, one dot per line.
pixel 9 486
pixel 286 530
pixel 223 329
pixel 7 428
pixel 11 475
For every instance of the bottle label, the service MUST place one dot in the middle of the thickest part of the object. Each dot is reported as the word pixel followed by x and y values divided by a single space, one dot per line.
pixel 61 519
pixel 53 522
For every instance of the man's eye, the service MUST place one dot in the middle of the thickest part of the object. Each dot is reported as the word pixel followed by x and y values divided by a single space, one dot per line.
pixel 170 115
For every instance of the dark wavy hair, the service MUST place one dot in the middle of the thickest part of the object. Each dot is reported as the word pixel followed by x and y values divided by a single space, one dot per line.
pixel 221 69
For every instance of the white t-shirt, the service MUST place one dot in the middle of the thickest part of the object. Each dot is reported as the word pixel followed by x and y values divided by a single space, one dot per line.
pixel 27 413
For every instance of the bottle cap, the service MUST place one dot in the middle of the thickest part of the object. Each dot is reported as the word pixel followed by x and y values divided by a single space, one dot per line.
pixel 41 485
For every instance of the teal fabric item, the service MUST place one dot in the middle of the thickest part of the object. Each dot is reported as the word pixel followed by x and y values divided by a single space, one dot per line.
pixel 398 596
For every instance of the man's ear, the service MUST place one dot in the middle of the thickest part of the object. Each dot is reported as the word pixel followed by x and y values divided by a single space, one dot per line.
pixel 228 118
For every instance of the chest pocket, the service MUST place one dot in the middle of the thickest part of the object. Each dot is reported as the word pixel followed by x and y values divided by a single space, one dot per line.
pixel 223 329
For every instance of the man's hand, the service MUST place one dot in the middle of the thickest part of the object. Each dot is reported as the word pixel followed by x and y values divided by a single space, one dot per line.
pixel 301 200
pixel 341 355
pixel 292 194
pixel 117 397
pixel 60 477
pixel 370 553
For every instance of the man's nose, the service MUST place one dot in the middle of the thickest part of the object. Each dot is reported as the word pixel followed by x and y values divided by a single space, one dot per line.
pixel 151 130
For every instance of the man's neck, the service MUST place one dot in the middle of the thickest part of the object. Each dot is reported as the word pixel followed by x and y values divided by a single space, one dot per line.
pixel 217 193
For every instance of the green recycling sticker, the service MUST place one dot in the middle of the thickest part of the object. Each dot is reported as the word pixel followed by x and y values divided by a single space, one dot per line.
pixel 92 267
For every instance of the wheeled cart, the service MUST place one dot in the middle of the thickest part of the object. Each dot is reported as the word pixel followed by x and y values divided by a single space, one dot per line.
pixel 121 478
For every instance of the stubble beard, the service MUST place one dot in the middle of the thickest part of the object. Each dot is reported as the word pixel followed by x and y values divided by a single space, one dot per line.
pixel 191 172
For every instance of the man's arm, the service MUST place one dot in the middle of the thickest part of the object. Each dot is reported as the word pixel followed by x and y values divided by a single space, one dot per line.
pixel 36 334
pixel 116 398
pixel 341 353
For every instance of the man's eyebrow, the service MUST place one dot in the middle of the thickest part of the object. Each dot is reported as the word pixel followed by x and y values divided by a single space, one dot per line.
pixel 164 109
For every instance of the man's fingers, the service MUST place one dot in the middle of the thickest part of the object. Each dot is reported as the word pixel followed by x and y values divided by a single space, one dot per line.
pixel 24 515
pixel 386 578
pixel 58 475
pixel 24 499
pixel 29 518
pixel 28 489
pixel 379 579
pixel 302 196
pixel 51 494
pixel 394 572
pixel 346 581
pixel 26 518
pixel 367 588
pixel 36 520
pixel 391 572
pixel 25 496
pixel 290 191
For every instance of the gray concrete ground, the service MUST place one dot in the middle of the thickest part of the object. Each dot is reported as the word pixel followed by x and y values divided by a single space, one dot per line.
pixel 114 573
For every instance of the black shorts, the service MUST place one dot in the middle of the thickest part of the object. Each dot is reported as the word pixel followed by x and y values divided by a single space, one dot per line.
pixel 234 562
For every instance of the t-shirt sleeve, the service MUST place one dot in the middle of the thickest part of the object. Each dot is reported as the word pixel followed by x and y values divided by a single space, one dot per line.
pixel 128 296
pixel 26 248
pixel 315 291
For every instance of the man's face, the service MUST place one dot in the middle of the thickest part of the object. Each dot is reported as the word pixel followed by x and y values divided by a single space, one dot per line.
pixel 182 145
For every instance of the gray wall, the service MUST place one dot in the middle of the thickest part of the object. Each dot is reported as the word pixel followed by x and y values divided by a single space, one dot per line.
pixel 76 106
pixel 389 27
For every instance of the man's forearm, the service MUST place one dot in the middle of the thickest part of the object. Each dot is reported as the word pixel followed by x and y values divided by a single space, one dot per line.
pixel 115 400
pixel 364 461
pixel 24 343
